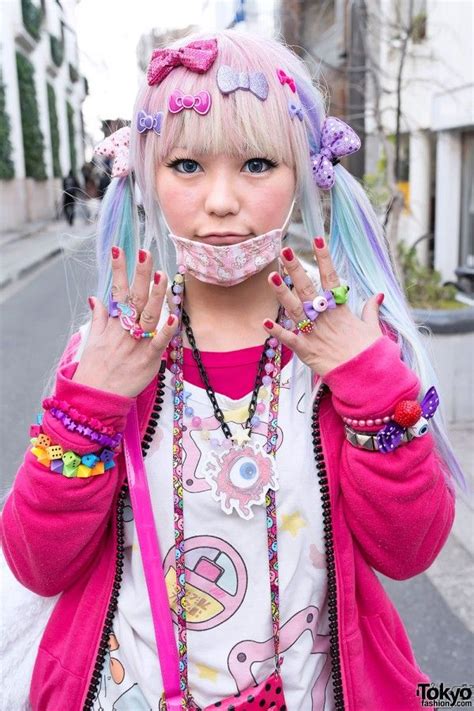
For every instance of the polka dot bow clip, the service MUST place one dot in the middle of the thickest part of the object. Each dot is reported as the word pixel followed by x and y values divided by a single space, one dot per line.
pixel 117 146
pixel 338 139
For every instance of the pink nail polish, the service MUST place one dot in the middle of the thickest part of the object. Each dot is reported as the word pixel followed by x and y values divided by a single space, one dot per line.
pixel 380 298
pixel 141 255
pixel 115 252
pixel 288 254
pixel 319 242
pixel 268 323
pixel 157 277
pixel 277 280
pixel 91 302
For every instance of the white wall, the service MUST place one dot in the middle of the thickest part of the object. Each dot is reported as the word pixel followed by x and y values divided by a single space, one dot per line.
pixel 23 200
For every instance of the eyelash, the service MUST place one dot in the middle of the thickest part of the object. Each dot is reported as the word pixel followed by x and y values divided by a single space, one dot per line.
pixel 176 161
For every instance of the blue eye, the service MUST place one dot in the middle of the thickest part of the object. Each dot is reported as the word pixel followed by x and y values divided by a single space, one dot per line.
pixel 260 162
pixel 186 163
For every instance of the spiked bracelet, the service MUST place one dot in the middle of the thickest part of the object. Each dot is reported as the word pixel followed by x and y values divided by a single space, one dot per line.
pixel 368 440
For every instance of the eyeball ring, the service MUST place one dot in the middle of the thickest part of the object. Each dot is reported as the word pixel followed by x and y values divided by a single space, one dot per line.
pixel 320 304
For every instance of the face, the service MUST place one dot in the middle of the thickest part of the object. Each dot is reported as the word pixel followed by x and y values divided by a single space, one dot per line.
pixel 223 200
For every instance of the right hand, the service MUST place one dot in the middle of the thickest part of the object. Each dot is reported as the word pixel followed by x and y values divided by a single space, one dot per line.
pixel 112 359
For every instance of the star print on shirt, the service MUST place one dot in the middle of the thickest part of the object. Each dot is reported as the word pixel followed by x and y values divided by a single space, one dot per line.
pixel 292 523
pixel 206 672
pixel 241 437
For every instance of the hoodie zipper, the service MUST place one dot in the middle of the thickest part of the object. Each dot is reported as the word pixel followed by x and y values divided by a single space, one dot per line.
pixel 329 551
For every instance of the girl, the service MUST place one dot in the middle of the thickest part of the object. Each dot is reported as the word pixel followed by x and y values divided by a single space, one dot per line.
pixel 229 564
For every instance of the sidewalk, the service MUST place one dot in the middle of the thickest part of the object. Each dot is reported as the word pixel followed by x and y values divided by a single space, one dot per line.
pixel 28 247
pixel 25 249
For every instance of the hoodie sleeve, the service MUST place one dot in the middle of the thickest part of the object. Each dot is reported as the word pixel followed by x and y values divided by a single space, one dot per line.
pixel 52 527
pixel 398 506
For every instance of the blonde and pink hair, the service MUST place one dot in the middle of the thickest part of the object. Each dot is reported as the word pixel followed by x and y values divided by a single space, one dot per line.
pixel 240 124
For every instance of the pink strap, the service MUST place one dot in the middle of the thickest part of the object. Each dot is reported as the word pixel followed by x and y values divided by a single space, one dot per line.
pixel 152 564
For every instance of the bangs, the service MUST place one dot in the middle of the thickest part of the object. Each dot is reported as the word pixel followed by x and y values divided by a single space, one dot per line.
pixel 239 124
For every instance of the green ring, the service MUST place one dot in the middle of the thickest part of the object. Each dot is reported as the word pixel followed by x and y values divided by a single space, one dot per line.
pixel 340 294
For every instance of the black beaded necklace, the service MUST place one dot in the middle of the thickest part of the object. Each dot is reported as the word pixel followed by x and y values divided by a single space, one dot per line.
pixel 219 415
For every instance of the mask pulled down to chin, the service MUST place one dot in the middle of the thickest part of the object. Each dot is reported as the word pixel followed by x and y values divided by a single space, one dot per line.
pixel 228 265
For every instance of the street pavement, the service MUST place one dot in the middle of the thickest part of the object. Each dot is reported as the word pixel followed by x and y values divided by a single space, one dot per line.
pixel 437 606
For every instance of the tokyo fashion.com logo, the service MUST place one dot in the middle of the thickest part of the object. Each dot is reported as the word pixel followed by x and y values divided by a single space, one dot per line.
pixel 443 696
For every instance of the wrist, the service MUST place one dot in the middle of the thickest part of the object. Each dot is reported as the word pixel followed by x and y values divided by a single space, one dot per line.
pixel 369 385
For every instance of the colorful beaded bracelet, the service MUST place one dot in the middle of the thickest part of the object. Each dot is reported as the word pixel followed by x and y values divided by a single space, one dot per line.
pixel 95 424
pixel 103 440
pixel 367 423
pixel 409 420
pixel 68 463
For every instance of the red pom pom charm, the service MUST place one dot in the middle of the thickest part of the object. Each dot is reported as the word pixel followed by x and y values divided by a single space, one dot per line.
pixel 407 413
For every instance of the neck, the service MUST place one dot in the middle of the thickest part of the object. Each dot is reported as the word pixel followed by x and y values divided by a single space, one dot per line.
pixel 230 318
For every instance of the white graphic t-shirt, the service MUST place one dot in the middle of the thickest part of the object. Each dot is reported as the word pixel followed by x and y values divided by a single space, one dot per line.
pixel 229 624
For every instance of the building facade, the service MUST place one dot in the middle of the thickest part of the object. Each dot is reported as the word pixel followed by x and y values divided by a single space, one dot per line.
pixel 43 92
pixel 356 47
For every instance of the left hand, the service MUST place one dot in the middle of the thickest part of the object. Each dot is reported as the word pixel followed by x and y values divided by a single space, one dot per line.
pixel 338 335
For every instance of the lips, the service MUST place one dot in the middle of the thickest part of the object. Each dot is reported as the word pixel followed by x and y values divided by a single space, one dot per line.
pixel 225 239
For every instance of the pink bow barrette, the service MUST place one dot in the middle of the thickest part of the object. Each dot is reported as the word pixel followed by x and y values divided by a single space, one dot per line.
pixel 408 414
pixel 147 122
pixel 321 303
pixel 295 110
pixel 196 56
pixel 178 100
pixel 229 80
pixel 285 79
pixel 117 146
pixel 337 140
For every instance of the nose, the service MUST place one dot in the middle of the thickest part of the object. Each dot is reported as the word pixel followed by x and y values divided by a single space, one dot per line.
pixel 221 196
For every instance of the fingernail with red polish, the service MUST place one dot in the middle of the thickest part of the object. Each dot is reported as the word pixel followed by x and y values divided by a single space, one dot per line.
pixel 268 323
pixel 115 252
pixel 91 302
pixel 288 254
pixel 141 255
pixel 170 320
pixel 157 277
pixel 277 280
pixel 319 242
pixel 380 298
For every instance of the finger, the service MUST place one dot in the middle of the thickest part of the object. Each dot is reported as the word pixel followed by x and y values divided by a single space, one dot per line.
pixel 140 289
pixel 99 319
pixel 291 304
pixel 165 334
pixel 327 272
pixel 371 310
pixel 288 338
pixel 150 315
pixel 304 287
pixel 119 289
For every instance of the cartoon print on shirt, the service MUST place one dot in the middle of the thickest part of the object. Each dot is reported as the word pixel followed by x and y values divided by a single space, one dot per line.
pixel 216 581
pixel 130 698
pixel 248 652
pixel 204 451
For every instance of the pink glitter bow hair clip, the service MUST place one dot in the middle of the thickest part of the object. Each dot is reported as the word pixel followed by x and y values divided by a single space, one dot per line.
pixel 117 146
pixel 196 56
pixel 337 140
pixel 178 100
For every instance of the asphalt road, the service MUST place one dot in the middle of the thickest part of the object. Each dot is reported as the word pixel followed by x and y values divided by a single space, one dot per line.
pixel 34 317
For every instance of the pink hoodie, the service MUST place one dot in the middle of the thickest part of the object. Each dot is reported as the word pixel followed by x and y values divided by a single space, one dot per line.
pixel 391 513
